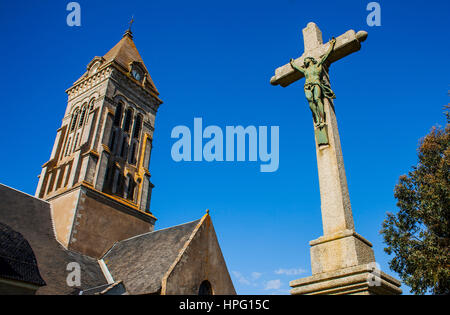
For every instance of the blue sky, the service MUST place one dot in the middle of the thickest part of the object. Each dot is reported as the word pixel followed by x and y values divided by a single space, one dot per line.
pixel 214 59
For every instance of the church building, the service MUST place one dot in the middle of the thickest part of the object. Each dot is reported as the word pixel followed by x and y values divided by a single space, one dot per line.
pixel 91 211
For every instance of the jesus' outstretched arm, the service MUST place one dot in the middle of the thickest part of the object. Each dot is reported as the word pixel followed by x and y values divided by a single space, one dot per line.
pixel 324 58
pixel 300 69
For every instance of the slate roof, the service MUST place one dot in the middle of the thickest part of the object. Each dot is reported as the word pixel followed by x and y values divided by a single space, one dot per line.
pixel 17 260
pixel 31 217
pixel 138 264
pixel 142 261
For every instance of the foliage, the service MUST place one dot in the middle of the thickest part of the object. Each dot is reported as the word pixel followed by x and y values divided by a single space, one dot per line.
pixel 418 235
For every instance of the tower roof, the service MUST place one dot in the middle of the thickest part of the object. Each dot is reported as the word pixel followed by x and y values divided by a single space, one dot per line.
pixel 125 54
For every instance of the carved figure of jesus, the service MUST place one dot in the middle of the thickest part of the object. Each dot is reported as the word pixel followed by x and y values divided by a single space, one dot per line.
pixel 316 86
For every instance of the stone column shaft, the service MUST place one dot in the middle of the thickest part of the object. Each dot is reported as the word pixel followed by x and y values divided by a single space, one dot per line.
pixel 335 201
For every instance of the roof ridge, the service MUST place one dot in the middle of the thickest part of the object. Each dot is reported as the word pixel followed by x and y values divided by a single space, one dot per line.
pixel 181 252
pixel 52 222
pixel 24 193
pixel 144 234
pixel 110 287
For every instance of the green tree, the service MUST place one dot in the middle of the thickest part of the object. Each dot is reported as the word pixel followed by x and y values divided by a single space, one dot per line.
pixel 418 234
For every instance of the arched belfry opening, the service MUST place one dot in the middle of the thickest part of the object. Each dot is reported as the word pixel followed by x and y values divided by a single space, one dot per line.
pixel 205 288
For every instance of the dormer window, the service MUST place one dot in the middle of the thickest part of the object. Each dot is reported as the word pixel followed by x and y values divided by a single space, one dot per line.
pixel 137 70
pixel 95 68
pixel 94 65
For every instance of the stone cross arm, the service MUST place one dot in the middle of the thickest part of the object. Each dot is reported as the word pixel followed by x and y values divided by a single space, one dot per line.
pixel 346 44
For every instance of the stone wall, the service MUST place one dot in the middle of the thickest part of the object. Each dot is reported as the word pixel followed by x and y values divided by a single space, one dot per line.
pixel 89 222
pixel 192 268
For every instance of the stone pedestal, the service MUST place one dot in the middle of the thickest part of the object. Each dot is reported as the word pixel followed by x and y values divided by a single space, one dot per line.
pixel 339 251
pixel 356 280
pixel 344 263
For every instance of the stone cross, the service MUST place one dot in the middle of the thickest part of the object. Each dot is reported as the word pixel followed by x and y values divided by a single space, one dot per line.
pixel 335 201
pixel 341 259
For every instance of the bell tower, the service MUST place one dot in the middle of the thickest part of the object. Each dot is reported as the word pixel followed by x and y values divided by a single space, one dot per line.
pixel 97 179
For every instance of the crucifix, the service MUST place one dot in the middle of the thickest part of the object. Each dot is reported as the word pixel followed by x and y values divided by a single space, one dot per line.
pixel 313 65
pixel 341 253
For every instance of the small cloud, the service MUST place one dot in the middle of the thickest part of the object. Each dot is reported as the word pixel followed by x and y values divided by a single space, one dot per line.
pixel 290 272
pixel 273 285
pixel 256 275
pixel 281 292
pixel 240 278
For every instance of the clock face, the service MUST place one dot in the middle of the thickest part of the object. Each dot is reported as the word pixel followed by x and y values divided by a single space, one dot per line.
pixel 136 75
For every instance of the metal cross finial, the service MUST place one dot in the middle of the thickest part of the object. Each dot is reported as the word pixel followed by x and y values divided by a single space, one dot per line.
pixel 131 23
pixel 129 33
